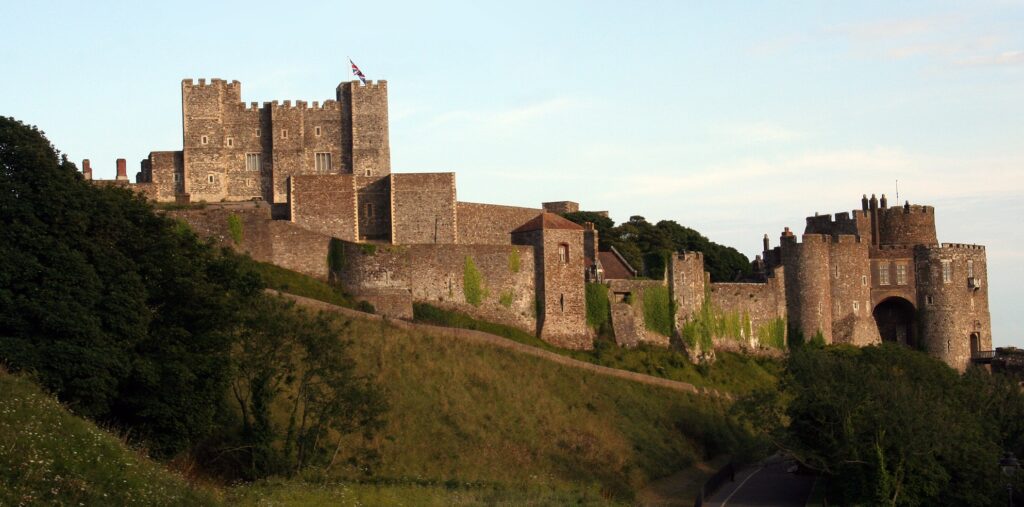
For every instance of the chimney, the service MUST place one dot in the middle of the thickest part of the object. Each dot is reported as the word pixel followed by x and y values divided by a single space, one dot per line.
pixel 884 203
pixel 122 170
pixel 86 169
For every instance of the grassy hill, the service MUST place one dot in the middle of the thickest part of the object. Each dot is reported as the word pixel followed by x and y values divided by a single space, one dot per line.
pixel 49 456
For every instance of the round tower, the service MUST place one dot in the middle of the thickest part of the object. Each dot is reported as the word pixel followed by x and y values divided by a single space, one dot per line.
pixel 808 291
pixel 953 301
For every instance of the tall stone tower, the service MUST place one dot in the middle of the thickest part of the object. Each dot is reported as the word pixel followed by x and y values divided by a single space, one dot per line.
pixel 560 268
pixel 365 116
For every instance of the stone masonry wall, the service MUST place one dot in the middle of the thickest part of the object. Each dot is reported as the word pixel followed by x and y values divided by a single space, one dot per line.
pixel 324 204
pixel 423 208
pixel 367 111
pixel 490 224
pixel 436 273
pixel 909 225
pixel 162 168
pixel 687 283
pixel 850 294
pixel 627 313
pixel 761 303
pixel 950 311
pixel 808 291
pixel 564 318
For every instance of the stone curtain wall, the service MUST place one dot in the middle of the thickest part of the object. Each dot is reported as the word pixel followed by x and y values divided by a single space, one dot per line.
pixel 374 197
pixel 627 313
pixel 325 204
pixel 490 224
pixel 436 274
pixel 760 303
pixel 424 208
pixel 950 311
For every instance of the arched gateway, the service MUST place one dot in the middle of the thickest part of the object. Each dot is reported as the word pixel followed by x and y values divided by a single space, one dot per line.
pixel 895 318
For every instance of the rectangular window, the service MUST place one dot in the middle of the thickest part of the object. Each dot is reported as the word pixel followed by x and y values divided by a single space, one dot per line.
pixel 317 130
pixel 947 270
pixel 204 140
pixel 563 253
pixel 231 142
pixel 970 269
pixel 369 172
pixel 176 177
pixel 901 274
pixel 856 307
pixel 253 162
pixel 883 273
pixel 284 133
pixel 323 162
pixel 259 133
pixel 864 280
pixel 211 178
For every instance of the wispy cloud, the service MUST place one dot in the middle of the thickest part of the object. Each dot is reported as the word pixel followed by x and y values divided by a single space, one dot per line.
pixel 516 116
pixel 1005 58
pixel 762 132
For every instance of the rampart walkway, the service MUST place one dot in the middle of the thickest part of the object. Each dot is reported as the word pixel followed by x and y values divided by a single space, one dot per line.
pixel 499 341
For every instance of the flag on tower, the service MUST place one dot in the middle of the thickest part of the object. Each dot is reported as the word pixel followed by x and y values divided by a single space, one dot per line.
pixel 356 72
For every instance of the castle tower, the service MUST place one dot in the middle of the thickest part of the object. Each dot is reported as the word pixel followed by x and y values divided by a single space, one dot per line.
pixel 953 298
pixel 559 260
pixel 808 289
pixel 205 136
pixel 365 117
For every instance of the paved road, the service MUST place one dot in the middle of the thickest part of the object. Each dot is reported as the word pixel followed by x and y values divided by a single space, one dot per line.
pixel 765 484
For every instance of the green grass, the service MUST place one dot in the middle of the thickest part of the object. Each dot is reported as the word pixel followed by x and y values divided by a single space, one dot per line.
pixel 49 456
pixel 270 493
pixel 285 280
pixel 731 372
pixel 471 414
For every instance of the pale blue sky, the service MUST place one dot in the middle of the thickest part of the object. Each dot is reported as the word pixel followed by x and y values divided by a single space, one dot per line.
pixel 733 118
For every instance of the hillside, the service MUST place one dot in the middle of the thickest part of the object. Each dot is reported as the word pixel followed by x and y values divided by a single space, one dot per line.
pixel 49 456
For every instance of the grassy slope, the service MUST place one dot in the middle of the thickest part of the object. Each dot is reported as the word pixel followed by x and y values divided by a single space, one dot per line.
pixel 49 456
pixel 473 418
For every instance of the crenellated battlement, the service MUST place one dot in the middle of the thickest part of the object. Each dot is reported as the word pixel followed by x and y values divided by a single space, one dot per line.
pixel 327 105
pixel 213 83
pixel 908 208
pixel 896 247
pixel 955 246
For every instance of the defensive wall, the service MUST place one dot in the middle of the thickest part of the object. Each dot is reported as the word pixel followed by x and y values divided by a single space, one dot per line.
pixel 490 224
pixel 627 313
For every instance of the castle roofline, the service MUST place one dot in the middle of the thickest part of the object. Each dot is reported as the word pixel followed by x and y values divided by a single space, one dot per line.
pixel 548 221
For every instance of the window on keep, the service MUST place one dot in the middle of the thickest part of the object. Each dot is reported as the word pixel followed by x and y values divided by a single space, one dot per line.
pixel 563 253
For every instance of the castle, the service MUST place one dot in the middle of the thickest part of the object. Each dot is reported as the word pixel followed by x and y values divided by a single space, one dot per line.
pixel 309 187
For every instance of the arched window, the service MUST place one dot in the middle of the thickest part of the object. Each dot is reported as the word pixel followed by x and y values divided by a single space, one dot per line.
pixel 563 253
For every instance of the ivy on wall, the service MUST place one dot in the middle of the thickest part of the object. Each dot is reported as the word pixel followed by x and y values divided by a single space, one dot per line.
pixel 658 310
pixel 598 307
pixel 235 228
pixel 506 297
pixel 514 260
pixel 472 283
pixel 335 255
pixel 773 333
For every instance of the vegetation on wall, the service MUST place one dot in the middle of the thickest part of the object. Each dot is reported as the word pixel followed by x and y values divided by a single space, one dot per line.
pixel 506 298
pixel 659 310
pixel 773 333
pixel 335 255
pixel 598 308
pixel 514 260
pixel 235 228
pixel 647 246
pixel 472 283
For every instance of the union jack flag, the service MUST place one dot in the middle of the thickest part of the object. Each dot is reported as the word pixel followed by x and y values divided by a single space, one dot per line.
pixel 356 72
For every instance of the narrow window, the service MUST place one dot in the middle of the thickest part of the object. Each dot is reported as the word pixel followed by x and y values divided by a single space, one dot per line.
pixel 368 210
pixel 284 133
pixel 835 270
pixel 856 307
pixel 883 273
pixel 864 280
pixel 259 133
pixel 204 140
pixel 231 142
pixel 929 300
pixel 947 270
pixel 563 253
pixel 561 301
pixel 323 162
pixel 369 172
pixel 211 178
pixel 901 274
pixel 970 269
pixel 176 177
pixel 317 130
pixel 253 162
